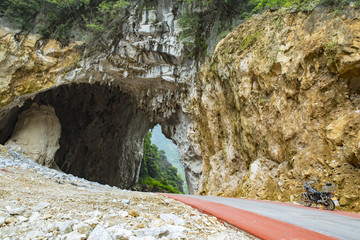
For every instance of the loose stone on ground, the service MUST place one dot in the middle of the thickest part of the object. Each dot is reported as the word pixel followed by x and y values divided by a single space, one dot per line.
pixel 41 203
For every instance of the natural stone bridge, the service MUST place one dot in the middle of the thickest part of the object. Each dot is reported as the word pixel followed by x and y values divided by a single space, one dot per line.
pixel 88 114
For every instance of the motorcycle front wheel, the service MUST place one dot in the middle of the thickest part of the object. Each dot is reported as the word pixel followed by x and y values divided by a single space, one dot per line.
pixel 305 200
pixel 329 204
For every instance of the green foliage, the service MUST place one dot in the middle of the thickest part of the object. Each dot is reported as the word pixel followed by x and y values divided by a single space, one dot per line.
pixel 151 182
pixel 156 170
pixel 335 2
pixel 222 35
pixel 104 18
pixel 331 49
pixel 228 13
pixel 261 5
pixel 110 8
pixel 202 2
pixel 190 24
pixel 21 11
pixel 56 18
pixel 169 149
pixel 249 40
pixel 195 24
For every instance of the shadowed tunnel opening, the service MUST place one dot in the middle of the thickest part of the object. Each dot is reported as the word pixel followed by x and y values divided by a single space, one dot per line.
pixel 102 131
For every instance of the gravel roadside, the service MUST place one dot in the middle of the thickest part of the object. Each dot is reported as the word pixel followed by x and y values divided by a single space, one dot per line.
pixel 41 203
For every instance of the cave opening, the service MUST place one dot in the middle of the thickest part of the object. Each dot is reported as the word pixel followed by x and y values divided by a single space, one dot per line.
pixel 171 153
pixel 102 131
pixel 97 131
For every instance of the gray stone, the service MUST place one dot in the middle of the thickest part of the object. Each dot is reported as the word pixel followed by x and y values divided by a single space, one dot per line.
pixel 177 232
pixel 96 213
pixel 157 232
pixel 123 213
pixel 219 236
pixel 36 234
pixel 2 221
pixel 92 222
pixel 34 217
pixel 172 219
pixel 41 206
pixel 119 233
pixel 100 233
pixel 22 219
pixel 79 211
pixel 15 210
pixel 82 228
pixel 64 227
pixel 51 227
pixel 75 236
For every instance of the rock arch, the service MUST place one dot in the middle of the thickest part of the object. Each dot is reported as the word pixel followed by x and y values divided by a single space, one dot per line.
pixel 102 130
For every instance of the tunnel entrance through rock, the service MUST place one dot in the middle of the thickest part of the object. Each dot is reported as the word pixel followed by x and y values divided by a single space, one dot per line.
pixel 171 152
pixel 102 131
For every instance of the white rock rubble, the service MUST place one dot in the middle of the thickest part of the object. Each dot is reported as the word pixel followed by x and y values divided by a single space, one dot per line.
pixel 41 203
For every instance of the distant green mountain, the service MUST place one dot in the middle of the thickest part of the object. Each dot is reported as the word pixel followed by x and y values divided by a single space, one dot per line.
pixel 156 173
pixel 171 152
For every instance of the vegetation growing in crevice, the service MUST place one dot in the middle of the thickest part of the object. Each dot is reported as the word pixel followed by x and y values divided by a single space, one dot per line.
pixel 199 16
pixel 156 173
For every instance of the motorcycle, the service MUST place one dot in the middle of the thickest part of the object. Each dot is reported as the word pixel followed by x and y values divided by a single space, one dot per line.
pixel 325 197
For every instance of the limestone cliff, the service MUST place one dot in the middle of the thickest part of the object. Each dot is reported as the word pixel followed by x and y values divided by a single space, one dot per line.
pixel 105 101
pixel 279 104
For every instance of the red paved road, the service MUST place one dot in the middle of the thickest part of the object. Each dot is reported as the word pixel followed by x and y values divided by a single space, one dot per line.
pixel 257 225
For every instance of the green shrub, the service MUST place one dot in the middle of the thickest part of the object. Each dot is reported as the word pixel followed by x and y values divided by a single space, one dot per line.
pixel 151 182
pixel 21 11
pixel 261 5
pixel 57 17
pixel 156 170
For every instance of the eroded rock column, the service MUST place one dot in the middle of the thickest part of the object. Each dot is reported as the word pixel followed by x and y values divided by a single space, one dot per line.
pixel 37 134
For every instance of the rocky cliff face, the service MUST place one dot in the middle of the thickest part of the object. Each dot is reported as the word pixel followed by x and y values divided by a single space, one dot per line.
pixel 106 101
pixel 279 104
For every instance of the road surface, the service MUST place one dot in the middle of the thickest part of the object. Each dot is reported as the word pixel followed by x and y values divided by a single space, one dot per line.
pixel 272 220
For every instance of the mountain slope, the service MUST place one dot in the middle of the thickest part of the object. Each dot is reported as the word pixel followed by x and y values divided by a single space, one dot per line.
pixel 171 151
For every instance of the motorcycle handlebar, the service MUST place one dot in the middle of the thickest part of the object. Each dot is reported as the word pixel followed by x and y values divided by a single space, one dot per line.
pixel 309 183
pixel 306 185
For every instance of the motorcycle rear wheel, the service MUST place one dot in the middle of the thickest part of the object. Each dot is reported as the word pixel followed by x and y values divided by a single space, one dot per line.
pixel 329 204
pixel 305 200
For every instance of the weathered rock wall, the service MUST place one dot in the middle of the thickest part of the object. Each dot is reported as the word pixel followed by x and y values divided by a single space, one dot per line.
pixel 279 104
pixel 146 67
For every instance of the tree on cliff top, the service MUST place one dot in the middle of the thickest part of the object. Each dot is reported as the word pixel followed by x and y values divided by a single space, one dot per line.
pixel 261 5
pixel 55 18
